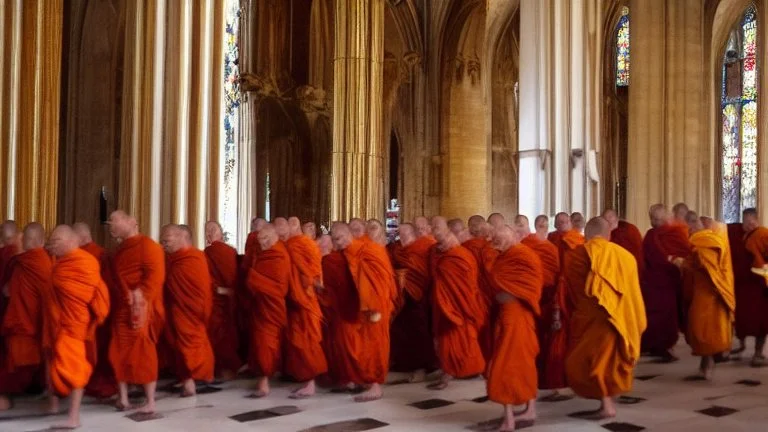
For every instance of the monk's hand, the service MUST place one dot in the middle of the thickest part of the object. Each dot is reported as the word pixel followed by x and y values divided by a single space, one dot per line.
pixel 319 287
pixel 556 322
pixel 402 275
pixel 138 309
pixel 373 316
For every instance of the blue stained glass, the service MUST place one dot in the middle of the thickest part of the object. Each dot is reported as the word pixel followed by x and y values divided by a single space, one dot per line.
pixel 231 95
pixel 622 49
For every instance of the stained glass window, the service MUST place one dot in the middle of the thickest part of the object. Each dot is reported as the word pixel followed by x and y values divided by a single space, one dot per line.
pixel 739 110
pixel 622 49
pixel 231 95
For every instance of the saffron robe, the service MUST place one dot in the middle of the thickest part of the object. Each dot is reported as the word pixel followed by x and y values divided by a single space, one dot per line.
pixel 268 282
pixel 222 327
pixel 709 294
pixel 607 319
pixel 517 272
pixel 552 343
pixel 412 346
pixel 103 383
pixel 243 296
pixel 29 285
pixel 94 249
pixel 189 303
pixel 662 285
pixel 485 255
pixel 629 237
pixel 139 263
pixel 79 302
pixel 459 311
pixel 304 357
pixel 365 344
pixel 751 299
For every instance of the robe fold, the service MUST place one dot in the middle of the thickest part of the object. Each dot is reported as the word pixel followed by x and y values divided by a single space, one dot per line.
pixel 552 343
pixel 517 272
pixel 751 298
pixel 365 344
pixel 485 255
pixel 243 295
pixel 709 296
pixel 459 311
pixel 189 303
pixel 607 319
pixel 661 283
pixel 629 237
pixel 304 357
pixel 7 256
pixel 267 284
pixel 139 263
pixel 29 285
pixel 103 384
pixel 412 347
pixel 222 327
pixel 78 304
pixel 94 249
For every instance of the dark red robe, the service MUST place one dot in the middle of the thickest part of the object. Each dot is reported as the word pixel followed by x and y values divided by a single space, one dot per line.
pixel 751 296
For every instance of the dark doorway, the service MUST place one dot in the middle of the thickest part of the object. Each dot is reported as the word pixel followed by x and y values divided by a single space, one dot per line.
pixel 394 166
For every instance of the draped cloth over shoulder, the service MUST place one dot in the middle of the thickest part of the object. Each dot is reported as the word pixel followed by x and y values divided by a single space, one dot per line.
pixel 304 357
pixel 373 279
pixel 629 237
pixel 709 294
pixel 78 304
pixel 189 304
pixel 751 301
pixel 607 320
pixel 103 384
pixel 222 327
pixel 412 347
pixel 517 272
pixel 139 263
pixel 267 284
pixel 459 312
pixel 29 286
pixel 485 256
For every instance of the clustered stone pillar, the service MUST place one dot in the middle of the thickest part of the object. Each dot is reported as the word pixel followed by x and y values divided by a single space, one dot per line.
pixel 30 87
pixel 357 176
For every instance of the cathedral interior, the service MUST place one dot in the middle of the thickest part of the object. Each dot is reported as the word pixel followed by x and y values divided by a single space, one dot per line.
pixel 182 111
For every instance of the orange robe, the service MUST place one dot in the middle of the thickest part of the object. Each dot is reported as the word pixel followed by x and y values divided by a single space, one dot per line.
pixel 629 237
pixel 607 319
pixel 336 278
pixel 79 302
pixel 222 327
pixel 751 301
pixel 243 296
pixel 94 249
pixel 189 302
pixel 139 263
pixel 411 343
pixel 364 344
pixel 512 375
pixel 29 285
pixel 102 384
pixel 268 282
pixel 709 294
pixel 459 311
pixel 552 343
pixel 485 255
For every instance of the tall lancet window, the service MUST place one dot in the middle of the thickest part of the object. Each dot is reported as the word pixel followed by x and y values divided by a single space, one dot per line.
pixel 622 49
pixel 739 108
pixel 231 95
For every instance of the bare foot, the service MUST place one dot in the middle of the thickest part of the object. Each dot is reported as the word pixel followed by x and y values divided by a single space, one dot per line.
pixel 442 383
pixel 188 388
pixel 5 403
pixel 69 425
pixel 528 414
pixel 53 405
pixel 304 392
pixel 371 394
pixel 419 375
pixel 147 408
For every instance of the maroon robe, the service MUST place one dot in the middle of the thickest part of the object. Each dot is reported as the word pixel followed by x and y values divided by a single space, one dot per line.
pixel 751 296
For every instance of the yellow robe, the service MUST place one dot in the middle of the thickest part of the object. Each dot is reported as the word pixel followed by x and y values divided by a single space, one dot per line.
pixel 607 320
pixel 709 294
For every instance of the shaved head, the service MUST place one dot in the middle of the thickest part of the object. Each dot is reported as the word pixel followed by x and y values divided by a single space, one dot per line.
pixel 522 226
pixel 83 232
pixel 8 232
pixel 496 220
pixel 34 236
pixel 422 225
pixel 257 223
pixel 694 222
pixel 407 233
pixel 577 221
pixel 213 232
pixel 438 222
pixel 376 232
pixel 445 238
pixel 612 217
pixel 341 235
pixel 478 227
pixel 679 211
pixel 541 225
pixel 504 237
pixel 456 226
pixel 122 225
pixel 294 226
pixel 325 244
pixel 750 220
pixel 267 236
pixel 282 228
pixel 563 222
pixel 186 235
pixel 658 215
pixel 63 240
pixel 310 230
pixel 597 227
pixel 170 238
pixel 358 227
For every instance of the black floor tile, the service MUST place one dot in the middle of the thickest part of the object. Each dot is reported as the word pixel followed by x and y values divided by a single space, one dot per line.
pixel 265 413
pixel 749 383
pixel 430 404
pixel 481 399
pixel 630 400
pixel 646 377
pixel 622 427
pixel 142 417
pixel 356 425
pixel 718 411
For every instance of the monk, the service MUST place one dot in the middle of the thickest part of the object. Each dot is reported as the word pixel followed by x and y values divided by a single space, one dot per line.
pixel 310 230
pixel 551 324
pixel 679 211
pixel 242 295
pixel 358 227
pixel 412 349
pixel 479 246
pixel 457 228
pixel 29 285
pixel 541 225
pixel 577 221
pixel 751 302
pixel 189 302
pixel 77 304
pixel 376 232
pixel 627 236
pixel 708 297
pixel 422 225
pixel 252 243
pixel 222 327
pixel 268 281
pixel 9 249
pixel 459 309
pixel 565 237
pixel 365 308
pixel 304 357
pixel 756 244
pixel 83 232
pixel 662 283
pixel 517 279
pixel 607 318
pixel 138 313
pixel 496 220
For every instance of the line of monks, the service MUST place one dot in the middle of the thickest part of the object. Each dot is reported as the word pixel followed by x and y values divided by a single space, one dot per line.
pixel 527 311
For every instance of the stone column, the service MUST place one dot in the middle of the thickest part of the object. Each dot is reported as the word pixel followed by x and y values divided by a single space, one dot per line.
pixel 357 177
pixel 30 87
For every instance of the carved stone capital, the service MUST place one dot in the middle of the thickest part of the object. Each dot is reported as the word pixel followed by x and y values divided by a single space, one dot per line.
pixel 262 86
pixel 473 70
pixel 312 100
